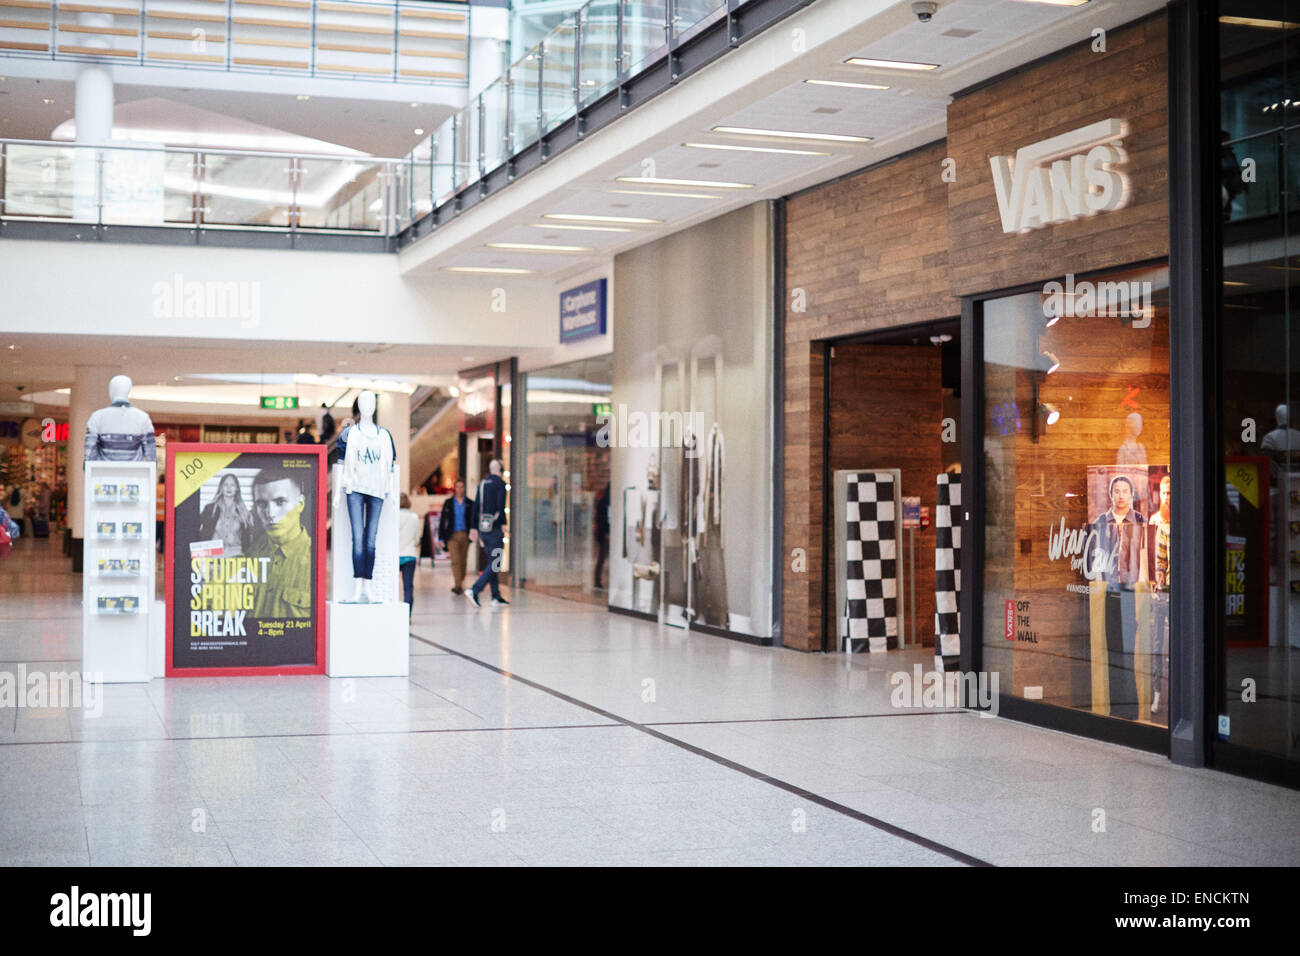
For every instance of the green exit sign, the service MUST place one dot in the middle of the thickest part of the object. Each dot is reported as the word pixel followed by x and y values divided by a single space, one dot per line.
pixel 602 409
pixel 280 402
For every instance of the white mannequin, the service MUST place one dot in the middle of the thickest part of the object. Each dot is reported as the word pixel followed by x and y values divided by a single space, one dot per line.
pixel 1132 451
pixel 120 432
pixel 366 403
pixel 1284 439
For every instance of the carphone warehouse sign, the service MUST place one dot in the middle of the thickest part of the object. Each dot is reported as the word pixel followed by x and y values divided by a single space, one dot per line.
pixel 582 311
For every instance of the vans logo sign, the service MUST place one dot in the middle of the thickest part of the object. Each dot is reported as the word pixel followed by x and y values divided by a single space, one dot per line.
pixel 1062 178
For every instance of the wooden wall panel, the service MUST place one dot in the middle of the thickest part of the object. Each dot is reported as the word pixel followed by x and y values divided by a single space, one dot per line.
pixel 854 262
pixel 1127 82
pixel 886 404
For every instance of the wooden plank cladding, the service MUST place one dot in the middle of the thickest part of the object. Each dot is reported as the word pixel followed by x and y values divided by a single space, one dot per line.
pixel 1127 82
pixel 20 45
pixel 897 245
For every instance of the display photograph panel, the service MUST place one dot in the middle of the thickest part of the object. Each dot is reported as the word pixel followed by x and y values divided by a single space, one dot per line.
pixel 246 559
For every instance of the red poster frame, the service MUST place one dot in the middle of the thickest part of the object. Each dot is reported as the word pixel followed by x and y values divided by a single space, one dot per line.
pixel 174 450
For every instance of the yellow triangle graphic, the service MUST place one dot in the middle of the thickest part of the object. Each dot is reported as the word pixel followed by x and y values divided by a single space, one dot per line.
pixel 190 470
pixel 1244 476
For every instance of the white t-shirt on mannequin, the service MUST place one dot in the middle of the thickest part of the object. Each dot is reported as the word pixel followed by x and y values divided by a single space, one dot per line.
pixel 367 461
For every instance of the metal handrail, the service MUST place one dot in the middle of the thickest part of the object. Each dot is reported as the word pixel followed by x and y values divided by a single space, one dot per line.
pixel 169 51
pixel 388 221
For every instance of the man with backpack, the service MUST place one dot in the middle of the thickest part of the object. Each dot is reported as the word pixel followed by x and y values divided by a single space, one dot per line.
pixel 489 529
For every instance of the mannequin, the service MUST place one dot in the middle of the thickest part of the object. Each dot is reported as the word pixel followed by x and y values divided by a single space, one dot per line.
pixel 120 432
pixel 1132 451
pixel 369 459
pixel 1283 441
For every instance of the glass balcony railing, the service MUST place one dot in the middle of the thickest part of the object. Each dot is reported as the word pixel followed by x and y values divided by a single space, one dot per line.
pixel 185 188
pixel 425 42
pixel 577 63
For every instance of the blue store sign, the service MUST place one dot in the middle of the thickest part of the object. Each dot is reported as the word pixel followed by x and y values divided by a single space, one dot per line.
pixel 582 311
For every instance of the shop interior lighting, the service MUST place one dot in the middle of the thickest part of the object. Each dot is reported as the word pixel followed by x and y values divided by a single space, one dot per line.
pixel 1259 22
pixel 756 149
pixel 698 183
pixel 575 217
pixel 1053 363
pixel 791 134
pixel 849 84
pixel 536 247
pixel 891 64
pixel 1051 414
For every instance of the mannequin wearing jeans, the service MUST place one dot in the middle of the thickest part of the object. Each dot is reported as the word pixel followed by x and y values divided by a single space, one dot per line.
pixel 369 457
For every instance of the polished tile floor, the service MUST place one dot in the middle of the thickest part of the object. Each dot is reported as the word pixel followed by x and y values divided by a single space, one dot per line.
pixel 553 732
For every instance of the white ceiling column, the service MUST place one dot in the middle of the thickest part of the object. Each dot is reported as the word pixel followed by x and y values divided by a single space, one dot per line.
pixel 89 394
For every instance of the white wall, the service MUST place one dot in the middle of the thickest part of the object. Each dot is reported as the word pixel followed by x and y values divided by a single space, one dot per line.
pixel 78 288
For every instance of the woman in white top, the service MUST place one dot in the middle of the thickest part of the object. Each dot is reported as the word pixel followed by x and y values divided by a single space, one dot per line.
pixel 408 548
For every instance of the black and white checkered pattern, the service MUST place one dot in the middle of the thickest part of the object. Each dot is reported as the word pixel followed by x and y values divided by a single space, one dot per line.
pixel 871 556
pixel 947 573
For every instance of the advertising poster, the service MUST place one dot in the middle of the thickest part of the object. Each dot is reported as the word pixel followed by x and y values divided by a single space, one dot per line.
pixel 246 559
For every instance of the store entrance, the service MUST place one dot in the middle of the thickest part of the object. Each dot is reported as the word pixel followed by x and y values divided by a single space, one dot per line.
pixel 893 427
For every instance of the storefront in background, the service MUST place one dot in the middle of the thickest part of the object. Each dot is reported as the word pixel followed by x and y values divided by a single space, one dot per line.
pixel 689 429
pixel 978 400
pixel 563 515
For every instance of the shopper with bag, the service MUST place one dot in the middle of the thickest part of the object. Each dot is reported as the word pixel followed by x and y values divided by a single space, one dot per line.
pixel 488 528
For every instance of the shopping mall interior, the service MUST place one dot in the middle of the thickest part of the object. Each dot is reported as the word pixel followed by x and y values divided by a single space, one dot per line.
pixel 648 433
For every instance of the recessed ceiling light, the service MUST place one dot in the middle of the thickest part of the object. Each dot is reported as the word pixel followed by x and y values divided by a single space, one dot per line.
pixel 650 192
pixel 468 358
pixel 791 134
pixel 537 247
pixel 846 83
pixel 556 225
pixel 703 183
pixel 576 217
pixel 756 149
pixel 303 96
pixel 46 100
pixel 418 131
pixel 488 270
pixel 415 106
pixel 1058 3
pixel 1225 282
pixel 890 64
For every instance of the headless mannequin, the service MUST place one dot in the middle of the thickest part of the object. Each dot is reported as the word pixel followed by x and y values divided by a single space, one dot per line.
pixel 1132 451
pixel 368 463
pixel 120 432
pixel 1284 440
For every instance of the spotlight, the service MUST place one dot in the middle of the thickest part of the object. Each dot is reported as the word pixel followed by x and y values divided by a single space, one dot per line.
pixel 1049 413
pixel 1053 363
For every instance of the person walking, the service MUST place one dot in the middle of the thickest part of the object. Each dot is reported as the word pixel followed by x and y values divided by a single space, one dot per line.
pixel 453 531
pixel 488 528
pixel 408 548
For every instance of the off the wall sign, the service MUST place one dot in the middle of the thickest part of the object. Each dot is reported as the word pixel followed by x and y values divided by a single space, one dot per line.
pixel 1062 178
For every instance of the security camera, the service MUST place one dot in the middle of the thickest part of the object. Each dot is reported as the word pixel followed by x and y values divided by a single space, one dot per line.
pixel 925 11
pixel 20 387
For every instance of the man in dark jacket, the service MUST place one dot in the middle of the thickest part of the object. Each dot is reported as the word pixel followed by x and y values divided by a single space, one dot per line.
pixel 454 525
pixel 489 530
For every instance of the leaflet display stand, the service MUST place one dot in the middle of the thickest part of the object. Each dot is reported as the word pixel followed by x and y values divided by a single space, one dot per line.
pixel 367 640
pixel 118 580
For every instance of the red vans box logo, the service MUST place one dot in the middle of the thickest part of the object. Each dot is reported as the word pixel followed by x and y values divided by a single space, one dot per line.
pixel 1062 178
